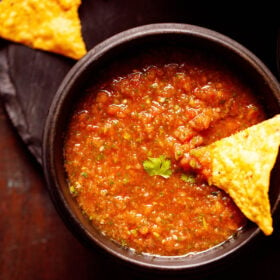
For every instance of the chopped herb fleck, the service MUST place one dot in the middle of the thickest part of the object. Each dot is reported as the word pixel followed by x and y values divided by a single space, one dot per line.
pixel 127 136
pixel 72 189
pixel 100 157
pixel 179 153
pixel 84 174
pixel 133 231
pixel 125 181
pixel 188 178
pixel 124 243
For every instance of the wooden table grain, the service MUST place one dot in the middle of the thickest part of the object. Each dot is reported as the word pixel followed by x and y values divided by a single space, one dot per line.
pixel 35 244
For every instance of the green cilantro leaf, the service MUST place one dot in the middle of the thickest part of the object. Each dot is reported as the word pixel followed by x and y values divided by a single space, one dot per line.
pixel 158 166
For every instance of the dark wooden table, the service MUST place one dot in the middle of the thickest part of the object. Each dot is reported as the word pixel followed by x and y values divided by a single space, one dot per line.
pixel 34 243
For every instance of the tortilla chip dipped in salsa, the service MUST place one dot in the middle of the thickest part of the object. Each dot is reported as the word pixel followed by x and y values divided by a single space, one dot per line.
pixel 51 25
pixel 240 165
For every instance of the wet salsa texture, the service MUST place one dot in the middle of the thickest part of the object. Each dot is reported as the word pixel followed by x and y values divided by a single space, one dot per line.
pixel 126 153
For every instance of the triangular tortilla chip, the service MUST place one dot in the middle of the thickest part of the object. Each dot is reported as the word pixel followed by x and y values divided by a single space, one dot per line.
pixel 241 165
pixel 50 25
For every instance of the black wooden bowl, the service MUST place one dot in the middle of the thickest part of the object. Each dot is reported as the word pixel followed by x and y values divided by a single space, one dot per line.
pixel 117 48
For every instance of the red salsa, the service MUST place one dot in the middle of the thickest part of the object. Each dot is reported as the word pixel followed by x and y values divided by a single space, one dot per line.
pixel 126 154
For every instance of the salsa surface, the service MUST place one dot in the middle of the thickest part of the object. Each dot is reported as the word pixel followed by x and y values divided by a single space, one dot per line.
pixel 157 113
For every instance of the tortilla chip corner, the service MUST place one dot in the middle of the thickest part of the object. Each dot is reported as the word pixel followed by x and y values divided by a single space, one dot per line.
pixel 241 165
pixel 47 25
